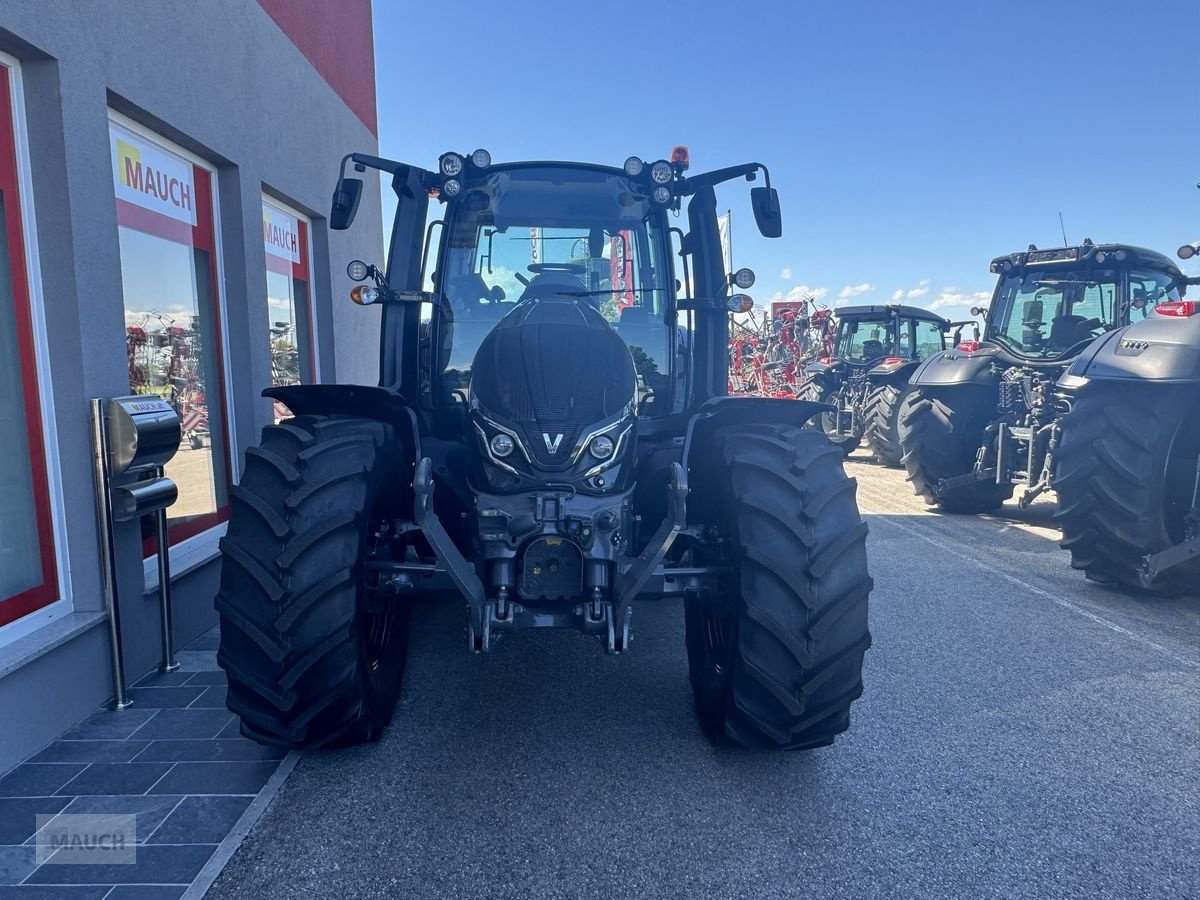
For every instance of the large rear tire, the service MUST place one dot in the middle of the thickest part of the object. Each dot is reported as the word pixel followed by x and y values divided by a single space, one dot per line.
pixel 314 654
pixel 820 391
pixel 1125 474
pixel 940 433
pixel 776 657
pixel 882 418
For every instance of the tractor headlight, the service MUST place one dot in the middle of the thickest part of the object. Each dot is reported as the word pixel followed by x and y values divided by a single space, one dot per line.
pixel 502 445
pixel 450 164
pixel 357 270
pixel 452 187
pixel 662 195
pixel 1100 256
pixel 634 167
pixel 481 159
pixel 744 278
pixel 661 172
pixel 601 447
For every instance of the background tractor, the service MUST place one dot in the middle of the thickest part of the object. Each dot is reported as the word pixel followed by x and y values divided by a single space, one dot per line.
pixel 983 418
pixel 875 351
pixel 1128 472
pixel 550 443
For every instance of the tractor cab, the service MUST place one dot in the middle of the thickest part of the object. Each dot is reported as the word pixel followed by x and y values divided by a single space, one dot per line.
pixel 1050 304
pixel 868 336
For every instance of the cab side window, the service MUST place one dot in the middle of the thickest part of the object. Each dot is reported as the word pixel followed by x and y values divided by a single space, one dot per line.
pixel 1147 288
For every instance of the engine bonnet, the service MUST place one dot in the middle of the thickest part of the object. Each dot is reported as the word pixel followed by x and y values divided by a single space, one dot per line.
pixel 553 369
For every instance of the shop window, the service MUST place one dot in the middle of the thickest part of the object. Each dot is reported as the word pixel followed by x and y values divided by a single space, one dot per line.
pixel 27 565
pixel 292 339
pixel 172 312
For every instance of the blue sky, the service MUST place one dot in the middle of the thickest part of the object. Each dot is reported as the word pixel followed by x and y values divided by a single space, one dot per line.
pixel 910 142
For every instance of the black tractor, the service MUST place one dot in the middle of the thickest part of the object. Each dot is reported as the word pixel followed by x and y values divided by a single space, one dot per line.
pixel 875 351
pixel 550 442
pixel 1128 469
pixel 984 418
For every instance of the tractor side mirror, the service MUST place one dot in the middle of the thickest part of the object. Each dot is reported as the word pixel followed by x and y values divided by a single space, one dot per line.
pixel 767 215
pixel 344 207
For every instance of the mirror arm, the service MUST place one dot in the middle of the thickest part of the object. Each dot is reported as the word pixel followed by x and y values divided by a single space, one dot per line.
pixel 689 186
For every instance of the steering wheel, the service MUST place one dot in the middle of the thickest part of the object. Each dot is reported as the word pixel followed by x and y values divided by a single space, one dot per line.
pixel 566 268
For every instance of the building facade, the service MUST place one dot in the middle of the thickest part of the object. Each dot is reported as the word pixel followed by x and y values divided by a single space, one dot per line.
pixel 165 172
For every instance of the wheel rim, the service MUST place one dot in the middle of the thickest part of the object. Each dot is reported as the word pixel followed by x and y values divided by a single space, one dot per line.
pixel 718 638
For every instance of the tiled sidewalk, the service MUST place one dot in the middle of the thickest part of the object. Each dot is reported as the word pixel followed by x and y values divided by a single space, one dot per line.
pixel 174 759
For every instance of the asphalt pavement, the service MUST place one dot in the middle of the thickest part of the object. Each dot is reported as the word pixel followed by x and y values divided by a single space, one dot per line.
pixel 1024 733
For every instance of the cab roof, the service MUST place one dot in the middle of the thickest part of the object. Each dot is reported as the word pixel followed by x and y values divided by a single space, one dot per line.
pixel 874 311
pixel 1087 254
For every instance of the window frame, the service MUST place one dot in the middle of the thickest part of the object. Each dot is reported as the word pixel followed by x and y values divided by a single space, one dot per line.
pixel 23 612
pixel 199 528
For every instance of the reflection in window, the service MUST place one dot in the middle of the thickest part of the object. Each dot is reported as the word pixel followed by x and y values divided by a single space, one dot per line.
pixel 285 240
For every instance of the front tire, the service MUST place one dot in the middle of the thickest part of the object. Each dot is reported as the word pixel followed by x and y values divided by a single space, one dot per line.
pixel 941 433
pixel 313 651
pixel 882 417
pixel 776 659
pixel 1125 475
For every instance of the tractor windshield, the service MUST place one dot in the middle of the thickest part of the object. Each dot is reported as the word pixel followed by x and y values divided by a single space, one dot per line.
pixel 1046 313
pixel 566 231
pixel 866 340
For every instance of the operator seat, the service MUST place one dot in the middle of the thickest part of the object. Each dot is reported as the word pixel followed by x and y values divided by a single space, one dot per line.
pixel 872 349
pixel 1067 331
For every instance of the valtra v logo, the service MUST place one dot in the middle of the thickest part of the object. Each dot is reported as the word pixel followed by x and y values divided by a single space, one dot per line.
pixel 552 443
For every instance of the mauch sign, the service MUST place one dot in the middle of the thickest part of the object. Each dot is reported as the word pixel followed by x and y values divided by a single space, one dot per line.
pixel 281 234
pixel 150 177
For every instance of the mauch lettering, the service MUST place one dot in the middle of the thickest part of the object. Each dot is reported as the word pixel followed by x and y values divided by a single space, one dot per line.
pixel 157 184
pixel 279 237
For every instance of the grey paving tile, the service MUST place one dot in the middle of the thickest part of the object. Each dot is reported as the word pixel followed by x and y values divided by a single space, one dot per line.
pixel 212 698
pixel 232 730
pixel 156 864
pixel 56 892
pixel 149 810
pixel 38 779
pixel 165 697
pixel 233 749
pixel 201 820
pixel 146 892
pixel 110 725
pixel 90 751
pixel 18 862
pixel 217 677
pixel 197 660
pixel 209 641
pixel 115 778
pixel 163 679
pixel 184 723
pixel 18 816
pixel 216 778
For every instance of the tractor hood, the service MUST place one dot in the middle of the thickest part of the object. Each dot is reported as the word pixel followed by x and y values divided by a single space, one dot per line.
pixel 554 375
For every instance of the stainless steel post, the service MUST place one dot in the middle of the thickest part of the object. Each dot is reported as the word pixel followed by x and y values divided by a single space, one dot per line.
pixel 108 556
pixel 168 663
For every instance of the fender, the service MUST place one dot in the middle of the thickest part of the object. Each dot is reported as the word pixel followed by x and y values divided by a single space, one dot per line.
pixel 364 401
pixel 1159 349
pixel 819 371
pixel 898 372
pixel 717 413
pixel 952 367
